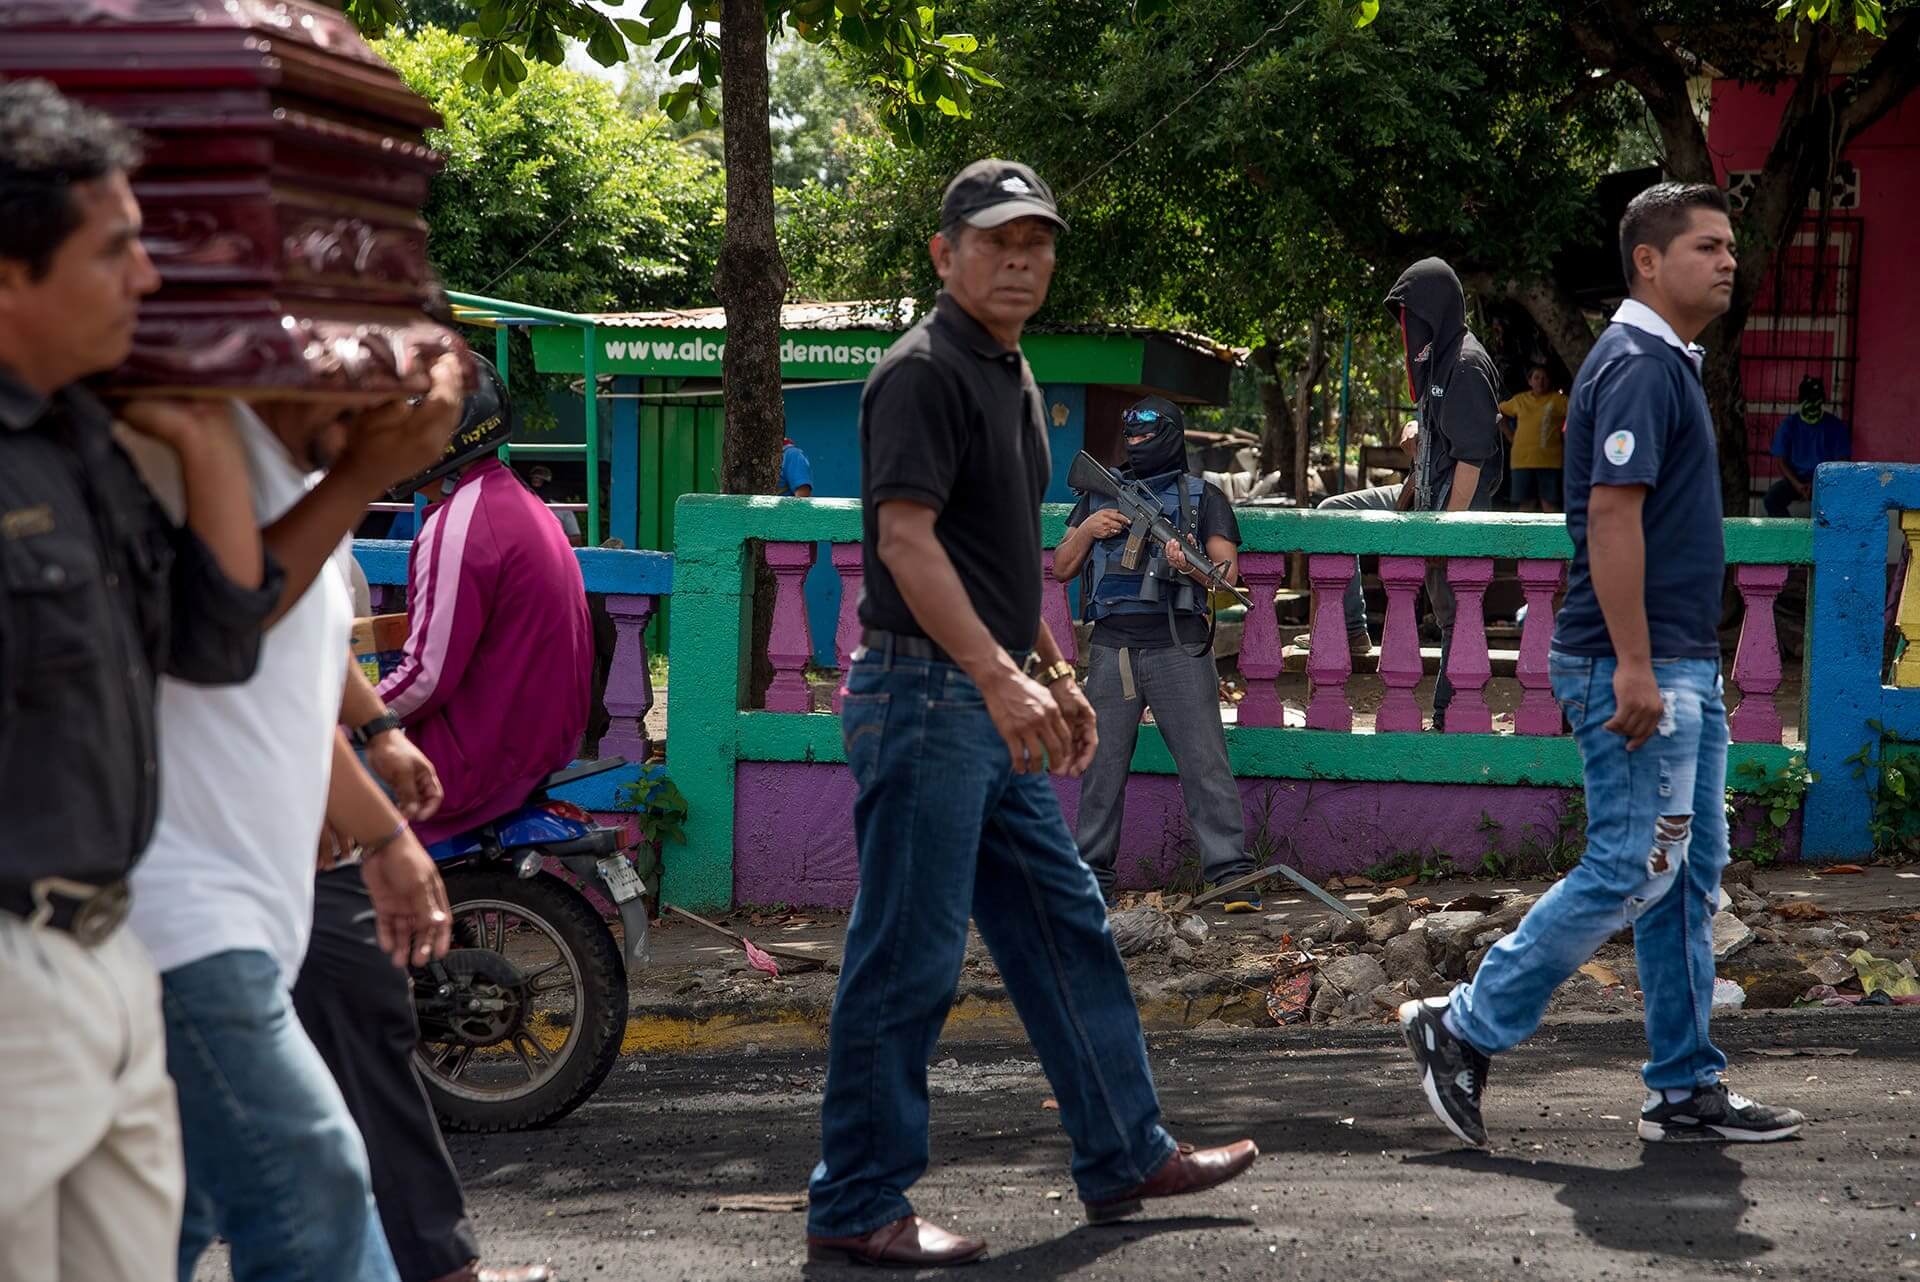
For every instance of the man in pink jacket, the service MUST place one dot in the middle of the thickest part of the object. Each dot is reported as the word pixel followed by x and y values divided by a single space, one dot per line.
pixel 498 669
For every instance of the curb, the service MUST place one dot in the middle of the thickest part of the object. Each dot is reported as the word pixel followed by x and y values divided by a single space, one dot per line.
pixel 982 1013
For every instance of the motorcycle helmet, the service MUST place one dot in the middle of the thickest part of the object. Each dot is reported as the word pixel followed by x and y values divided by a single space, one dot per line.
pixel 487 421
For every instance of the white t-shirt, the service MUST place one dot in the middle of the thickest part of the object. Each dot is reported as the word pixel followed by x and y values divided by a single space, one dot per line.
pixel 244 769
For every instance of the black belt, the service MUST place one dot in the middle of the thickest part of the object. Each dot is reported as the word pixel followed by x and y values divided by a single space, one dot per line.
pixel 88 913
pixel 902 646
pixel 899 645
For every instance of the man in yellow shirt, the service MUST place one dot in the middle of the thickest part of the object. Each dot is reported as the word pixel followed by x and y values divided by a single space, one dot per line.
pixel 1538 440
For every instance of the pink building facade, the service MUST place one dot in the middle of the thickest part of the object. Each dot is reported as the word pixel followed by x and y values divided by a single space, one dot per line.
pixel 1842 309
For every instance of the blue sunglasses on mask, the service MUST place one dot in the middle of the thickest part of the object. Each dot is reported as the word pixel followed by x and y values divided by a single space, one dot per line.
pixel 1143 418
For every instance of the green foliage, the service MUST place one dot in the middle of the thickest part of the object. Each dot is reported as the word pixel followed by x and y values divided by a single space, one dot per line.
pixel 1893 770
pixel 1311 163
pixel 557 196
pixel 660 809
pixel 1866 14
pixel 917 73
pixel 1772 798
pixel 1421 865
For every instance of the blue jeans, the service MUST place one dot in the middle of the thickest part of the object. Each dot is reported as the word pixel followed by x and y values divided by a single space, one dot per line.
pixel 945 828
pixel 1656 845
pixel 275 1164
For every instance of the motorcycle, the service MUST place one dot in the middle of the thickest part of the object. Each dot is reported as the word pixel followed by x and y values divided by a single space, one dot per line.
pixel 523 1018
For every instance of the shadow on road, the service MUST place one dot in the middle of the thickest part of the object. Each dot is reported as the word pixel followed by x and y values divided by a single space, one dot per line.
pixel 1065 1256
pixel 1681 1200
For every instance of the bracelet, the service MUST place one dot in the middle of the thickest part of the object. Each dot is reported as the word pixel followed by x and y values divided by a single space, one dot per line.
pixel 368 851
pixel 378 726
pixel 1060 671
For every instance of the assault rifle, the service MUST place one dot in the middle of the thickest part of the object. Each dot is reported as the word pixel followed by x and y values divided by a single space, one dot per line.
pixel 1147 525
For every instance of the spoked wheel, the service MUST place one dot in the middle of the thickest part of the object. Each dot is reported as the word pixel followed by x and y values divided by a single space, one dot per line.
pixel 523 1020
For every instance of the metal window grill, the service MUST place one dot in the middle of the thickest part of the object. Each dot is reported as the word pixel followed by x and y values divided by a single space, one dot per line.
pixel 1806 321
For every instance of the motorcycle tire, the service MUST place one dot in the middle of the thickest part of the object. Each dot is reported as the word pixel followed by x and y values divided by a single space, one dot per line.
pixel 601 1018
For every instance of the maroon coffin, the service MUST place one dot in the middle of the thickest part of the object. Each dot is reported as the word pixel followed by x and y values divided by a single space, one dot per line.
pixel 285 169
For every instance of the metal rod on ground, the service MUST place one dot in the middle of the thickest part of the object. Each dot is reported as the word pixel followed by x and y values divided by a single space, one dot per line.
pixel 1241 883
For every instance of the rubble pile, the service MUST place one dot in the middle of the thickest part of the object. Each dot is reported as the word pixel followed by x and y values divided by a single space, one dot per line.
pixel 1769 951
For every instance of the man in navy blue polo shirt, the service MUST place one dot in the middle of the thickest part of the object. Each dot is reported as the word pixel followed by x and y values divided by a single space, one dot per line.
pixel 1636 667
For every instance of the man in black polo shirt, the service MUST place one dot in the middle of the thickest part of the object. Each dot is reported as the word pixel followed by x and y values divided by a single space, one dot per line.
pixel 957 704
pixel 99 594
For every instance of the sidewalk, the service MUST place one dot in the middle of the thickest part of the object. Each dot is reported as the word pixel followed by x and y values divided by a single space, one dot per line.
pixel 700 994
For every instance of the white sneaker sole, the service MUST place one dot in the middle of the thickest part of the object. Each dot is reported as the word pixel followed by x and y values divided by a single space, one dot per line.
pixel 1655 1133
pixel 1409 1013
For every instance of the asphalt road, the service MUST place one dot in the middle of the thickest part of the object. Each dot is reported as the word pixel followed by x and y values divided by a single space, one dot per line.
pixel 1357 1181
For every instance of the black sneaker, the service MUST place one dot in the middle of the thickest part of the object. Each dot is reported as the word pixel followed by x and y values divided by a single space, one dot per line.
pixel 1451 1071
pixel 1715 1113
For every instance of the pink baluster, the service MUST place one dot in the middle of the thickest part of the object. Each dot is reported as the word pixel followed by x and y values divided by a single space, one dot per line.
pixel 1260 642
pixel 629 684
pixel 1055 609
pixel 1538 713
pixel 849 565
pixel 1329 662
pixel 1756 663
pixel 1468 665
pixel 791 644
pixel 1400 665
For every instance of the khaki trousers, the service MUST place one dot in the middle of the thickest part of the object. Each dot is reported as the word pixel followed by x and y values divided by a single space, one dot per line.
pixel 91 1182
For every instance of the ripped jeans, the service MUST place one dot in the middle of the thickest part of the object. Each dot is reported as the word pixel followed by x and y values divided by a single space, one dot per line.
pixel 1656 845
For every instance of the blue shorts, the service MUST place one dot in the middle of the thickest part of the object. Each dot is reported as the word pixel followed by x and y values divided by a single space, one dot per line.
pixel 1543 483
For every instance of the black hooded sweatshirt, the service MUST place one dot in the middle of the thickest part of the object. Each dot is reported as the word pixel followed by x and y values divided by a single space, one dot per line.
pixel 1452 381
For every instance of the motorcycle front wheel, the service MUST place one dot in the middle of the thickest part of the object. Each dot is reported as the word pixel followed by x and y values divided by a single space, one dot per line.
pixel 524 1018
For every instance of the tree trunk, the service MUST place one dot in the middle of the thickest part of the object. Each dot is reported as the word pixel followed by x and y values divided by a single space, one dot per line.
pixel 1559 317
pixel 751 281
pixel 1303 410
pixel 1276 415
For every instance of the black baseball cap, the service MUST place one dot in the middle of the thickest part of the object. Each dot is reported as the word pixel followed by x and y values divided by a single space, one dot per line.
pixel 990 192
pixel 1811 388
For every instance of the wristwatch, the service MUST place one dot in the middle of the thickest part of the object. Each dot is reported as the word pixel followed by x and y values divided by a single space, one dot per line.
pixel 378 726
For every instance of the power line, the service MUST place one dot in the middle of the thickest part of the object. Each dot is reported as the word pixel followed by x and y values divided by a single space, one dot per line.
pixel 1235 61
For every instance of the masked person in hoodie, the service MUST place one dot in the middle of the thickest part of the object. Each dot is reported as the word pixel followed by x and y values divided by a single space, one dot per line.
pixel 1152 647
pixel 1456 464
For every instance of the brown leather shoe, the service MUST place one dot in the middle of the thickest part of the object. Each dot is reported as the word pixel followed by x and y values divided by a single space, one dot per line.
pixel 908 1243
pixel 1189 1170
pixel 476 1272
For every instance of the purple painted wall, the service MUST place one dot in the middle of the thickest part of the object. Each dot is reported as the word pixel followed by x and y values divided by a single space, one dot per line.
pixel 794 840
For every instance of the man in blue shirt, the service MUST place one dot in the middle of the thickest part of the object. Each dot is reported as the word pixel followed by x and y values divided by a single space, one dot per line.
pixel 796 474
pixel 1803 441
pixel 1636 668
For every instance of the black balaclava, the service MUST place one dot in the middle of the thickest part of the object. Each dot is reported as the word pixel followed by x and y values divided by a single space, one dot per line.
pixel 1166 450
pixel 1432 310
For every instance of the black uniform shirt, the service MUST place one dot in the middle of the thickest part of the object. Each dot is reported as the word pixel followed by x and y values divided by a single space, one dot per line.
pixel 99 593
pixel 952 420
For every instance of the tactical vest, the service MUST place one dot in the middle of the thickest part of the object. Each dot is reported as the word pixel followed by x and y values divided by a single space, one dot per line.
pixel 1106 588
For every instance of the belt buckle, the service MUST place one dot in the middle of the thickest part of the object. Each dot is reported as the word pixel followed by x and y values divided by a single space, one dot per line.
pixel 101 908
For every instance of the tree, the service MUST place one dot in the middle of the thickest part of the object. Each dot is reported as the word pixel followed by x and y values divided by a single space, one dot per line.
pixel 1241 173
pixel 818 112
pixel 914 71
pixel 1843 68
pixel 557 196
